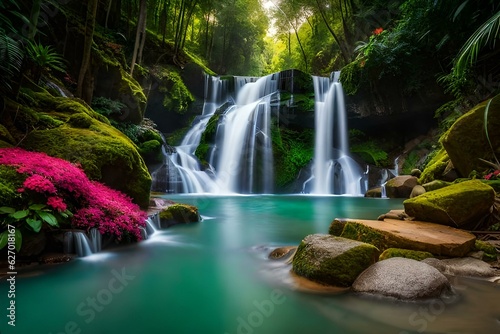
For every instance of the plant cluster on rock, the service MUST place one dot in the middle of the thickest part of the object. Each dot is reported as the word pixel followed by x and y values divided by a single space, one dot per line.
pixel 50 190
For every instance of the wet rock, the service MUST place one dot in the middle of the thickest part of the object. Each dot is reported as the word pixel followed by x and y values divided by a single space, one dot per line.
pixel 283 253
pixel 400 186
pixel 179 214
pixel 456 205
pixel 332 260
pixel 406 253
pixel 374 192
pixel 464 266
pixel 402 278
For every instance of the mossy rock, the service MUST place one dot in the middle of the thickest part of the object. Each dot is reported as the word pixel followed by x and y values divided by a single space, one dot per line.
pixel 467 141
pixel 435 167
pixel 435 185
pixel 105 154
pixel 406 253
pixel 331 260
pixel 80 120
pixel 456 205
pixel 179 214
pixel 490 252
pixel 400 186
pixel 359 232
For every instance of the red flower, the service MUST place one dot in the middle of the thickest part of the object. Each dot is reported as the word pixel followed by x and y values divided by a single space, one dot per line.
pixel 496 172
pixel 378 31
pixel 487 177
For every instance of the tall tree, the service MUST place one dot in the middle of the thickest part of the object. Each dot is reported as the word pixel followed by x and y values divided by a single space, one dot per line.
pixel 140 35
pixel 87 49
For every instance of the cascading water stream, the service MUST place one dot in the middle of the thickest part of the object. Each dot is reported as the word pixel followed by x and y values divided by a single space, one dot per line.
pixel 333 172
pixel 245 159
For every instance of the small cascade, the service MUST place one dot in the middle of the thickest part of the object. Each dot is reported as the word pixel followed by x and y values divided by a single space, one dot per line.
pixel 95 240
pixel 150 227
pixel 55 87
pixel 81 244
pixel 334 171
pixel 383 193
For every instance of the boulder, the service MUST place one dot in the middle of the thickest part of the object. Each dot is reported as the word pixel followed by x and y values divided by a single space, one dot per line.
pixel 374 192
pixel 466 140
pixel 402 278
pixel 332 260
pixel 465 266
pixel 456 205
pixel 68 129
pixel 436 184
pixel 400 186
pixel 414 235
pixel 417 190
pixel 179 214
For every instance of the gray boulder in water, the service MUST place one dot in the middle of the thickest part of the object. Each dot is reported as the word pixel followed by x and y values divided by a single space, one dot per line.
pixel 402 278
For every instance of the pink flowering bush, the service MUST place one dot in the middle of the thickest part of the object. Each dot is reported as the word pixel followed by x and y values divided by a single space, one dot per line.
pixel 64 187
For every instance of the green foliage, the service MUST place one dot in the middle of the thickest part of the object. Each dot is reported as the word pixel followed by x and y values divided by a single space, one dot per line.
pixel 31 217
pixel 292 151
pixel 43 58
pixel 350 77
pixel 10 181
pixel 368 149
pixel 410 163
pixel 107 107
pixel 177 97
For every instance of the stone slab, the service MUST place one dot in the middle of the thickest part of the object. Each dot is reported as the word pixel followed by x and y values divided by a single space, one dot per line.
pixel 417 235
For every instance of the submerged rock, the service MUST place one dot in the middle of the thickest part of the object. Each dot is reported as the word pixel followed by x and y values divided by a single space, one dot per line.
pixel 455 205
pixel 402 278
pixel 332 260
pixel 465 266
pixel 179 214
pixel 414 235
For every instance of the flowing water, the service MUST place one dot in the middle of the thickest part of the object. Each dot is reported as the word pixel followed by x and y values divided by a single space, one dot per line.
pixel 214 277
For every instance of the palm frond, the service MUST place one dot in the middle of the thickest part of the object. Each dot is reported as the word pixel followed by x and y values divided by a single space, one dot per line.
pixel 487 33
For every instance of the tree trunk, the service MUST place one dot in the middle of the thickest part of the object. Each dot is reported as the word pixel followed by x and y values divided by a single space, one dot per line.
pixel 87 47
pixel 139 34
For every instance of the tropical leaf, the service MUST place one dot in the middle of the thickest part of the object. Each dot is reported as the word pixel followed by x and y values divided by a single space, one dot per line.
pixel 19 239
pixel 37 207
pixel 20 214
pixel 486 34
pixel 35 224
pixel 7 209
pixel 48 218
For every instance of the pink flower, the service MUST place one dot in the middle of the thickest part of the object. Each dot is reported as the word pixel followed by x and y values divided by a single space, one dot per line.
pixel 39 184
pixel 496 172
pixel 487 177
pixel 56 203
pixel 94 204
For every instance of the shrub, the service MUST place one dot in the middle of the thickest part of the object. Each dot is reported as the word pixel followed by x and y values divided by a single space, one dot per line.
pixel 56 187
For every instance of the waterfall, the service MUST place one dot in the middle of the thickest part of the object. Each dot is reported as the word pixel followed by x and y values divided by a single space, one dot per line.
pixel 82 244
pixel 241 159
pixel 95 240
pixel 334 172
pixel 245 161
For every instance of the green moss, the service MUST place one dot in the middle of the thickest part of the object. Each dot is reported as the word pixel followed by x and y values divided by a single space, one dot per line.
pixel 80 120
pixel 180 213
pixel 435 167
pixel 362 233
pixel 406 253
pixel 177 96
pixel 453 205
pixel 207 138
pixel 130 85
pixel 105 154
pixel 340 270
pixel 490 252
pixel 151 151
pixel 336 227
pixel 10 181
pixel 292 151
